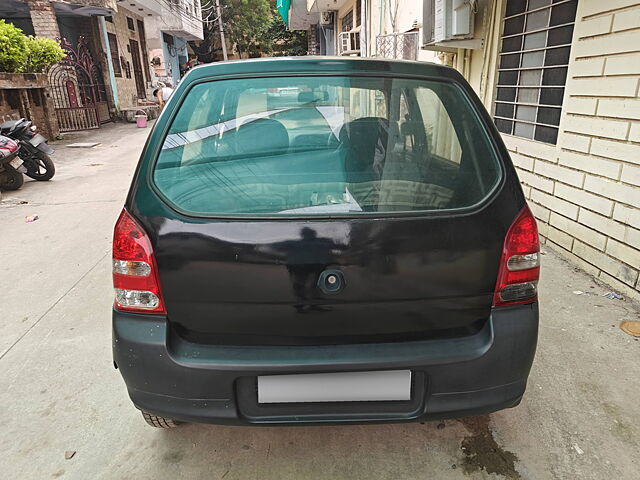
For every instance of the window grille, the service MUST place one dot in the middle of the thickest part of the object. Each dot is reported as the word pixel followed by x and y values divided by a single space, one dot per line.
pixel 532 70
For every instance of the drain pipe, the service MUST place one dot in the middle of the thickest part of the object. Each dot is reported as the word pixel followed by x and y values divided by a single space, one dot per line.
pixel 364 47
pixel 112 77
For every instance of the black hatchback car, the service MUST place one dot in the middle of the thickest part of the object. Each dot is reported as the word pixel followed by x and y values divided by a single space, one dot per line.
pixel 324 240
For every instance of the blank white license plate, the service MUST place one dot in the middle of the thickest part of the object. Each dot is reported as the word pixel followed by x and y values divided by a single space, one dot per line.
pixel 335 387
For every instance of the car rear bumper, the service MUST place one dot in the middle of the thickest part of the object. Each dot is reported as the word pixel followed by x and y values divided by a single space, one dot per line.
pixel 481 373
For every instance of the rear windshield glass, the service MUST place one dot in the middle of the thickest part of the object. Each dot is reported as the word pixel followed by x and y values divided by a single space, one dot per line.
pixel 325 146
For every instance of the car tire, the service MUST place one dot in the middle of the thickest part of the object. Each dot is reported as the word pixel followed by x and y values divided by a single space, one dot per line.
pixel 158 422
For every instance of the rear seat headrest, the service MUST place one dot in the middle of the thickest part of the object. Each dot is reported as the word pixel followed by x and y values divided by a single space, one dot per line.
pixel 364 138
pixel 263 136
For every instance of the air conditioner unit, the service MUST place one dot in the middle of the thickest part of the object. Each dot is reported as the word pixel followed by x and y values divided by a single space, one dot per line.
pixel 349 43
pixel 326 18
pixel 451 23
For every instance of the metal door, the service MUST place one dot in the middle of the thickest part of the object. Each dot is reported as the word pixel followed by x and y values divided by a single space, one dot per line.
pixel 137 69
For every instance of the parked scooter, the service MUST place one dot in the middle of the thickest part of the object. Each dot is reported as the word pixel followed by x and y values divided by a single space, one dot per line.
pixel 34 150
pixel 11 165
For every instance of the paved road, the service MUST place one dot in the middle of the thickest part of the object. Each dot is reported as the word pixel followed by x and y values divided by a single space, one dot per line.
pixel 59 391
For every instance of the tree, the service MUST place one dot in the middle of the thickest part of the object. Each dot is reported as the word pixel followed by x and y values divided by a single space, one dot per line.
pixel 246 23
pixel 286 42
pixel 253 28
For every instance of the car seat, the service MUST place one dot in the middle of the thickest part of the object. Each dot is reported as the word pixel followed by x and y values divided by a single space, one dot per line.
pixel 262 137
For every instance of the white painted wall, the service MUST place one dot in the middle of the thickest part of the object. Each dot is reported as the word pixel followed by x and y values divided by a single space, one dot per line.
pixel 405 13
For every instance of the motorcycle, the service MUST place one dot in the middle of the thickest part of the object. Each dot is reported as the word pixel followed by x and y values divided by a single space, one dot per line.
pixel 11 165
pixel 34 150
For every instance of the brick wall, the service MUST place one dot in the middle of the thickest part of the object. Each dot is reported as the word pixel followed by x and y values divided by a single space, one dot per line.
pixel 313 45
pixel 39 110
pixel 10 108
pixel 586 190
pixel 43 18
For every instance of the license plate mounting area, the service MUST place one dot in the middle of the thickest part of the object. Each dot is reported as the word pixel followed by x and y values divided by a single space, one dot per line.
pixel 369 386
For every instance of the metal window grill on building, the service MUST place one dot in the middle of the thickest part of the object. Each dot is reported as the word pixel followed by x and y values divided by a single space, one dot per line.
pixel 398 45
pixel 532 70
pixel 347 22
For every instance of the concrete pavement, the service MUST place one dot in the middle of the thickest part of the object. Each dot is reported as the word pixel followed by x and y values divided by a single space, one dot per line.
pixel 59 391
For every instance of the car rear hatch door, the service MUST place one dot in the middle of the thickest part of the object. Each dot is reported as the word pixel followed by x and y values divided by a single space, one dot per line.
pixel 362 209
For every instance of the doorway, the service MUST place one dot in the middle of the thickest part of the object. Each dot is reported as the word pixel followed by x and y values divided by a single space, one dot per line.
pixel 137 69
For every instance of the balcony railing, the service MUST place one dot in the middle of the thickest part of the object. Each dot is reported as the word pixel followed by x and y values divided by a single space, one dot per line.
pixel 402 46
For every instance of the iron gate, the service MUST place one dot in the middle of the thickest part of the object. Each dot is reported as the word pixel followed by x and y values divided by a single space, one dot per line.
pixel 78 90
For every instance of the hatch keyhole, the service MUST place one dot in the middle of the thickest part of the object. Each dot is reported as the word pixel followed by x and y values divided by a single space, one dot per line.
pixel 331 281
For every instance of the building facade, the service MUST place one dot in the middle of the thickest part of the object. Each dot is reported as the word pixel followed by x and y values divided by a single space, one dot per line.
pixel 561 79
pixel 119 50
pixel 167 37
pixel 387 29
pixel 125 54
pixel 572 124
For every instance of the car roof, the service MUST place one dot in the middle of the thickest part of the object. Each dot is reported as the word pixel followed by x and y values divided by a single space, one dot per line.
pixel 318 65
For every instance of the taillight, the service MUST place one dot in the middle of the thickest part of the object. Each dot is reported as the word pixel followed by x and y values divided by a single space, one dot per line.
pixel 520 262
pixel 135 274
pixel 7 146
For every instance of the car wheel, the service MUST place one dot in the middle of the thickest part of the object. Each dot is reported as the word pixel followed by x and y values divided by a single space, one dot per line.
pixel 159 422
